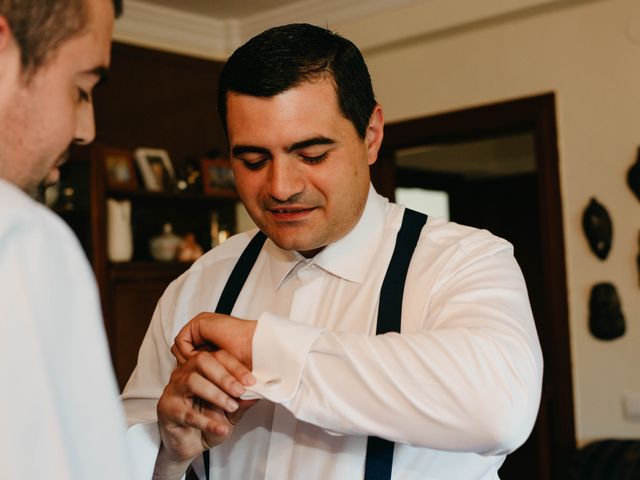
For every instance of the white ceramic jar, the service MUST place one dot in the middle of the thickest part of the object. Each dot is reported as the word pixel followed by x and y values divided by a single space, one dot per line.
pixel 164 247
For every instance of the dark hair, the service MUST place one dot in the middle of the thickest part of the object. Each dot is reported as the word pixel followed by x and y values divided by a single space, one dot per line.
pixel 284 57
pixel 41 26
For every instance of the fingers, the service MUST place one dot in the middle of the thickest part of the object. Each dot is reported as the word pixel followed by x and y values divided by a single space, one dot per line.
pixel 233 411
pixel 215 331
pixel 190 410
pixel 182 357
pixel 216 421
pixel 216 377
pixel 208 419
pixel 232 364
pixel 221 396
pixel 193 336
pixel 199 406
pixel 235 367
pixel 178 354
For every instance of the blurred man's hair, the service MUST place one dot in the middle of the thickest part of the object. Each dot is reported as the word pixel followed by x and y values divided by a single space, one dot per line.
pixel 284 57
pixel 41 26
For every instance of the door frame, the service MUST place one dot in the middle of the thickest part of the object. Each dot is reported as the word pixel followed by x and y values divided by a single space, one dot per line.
pixel 535 114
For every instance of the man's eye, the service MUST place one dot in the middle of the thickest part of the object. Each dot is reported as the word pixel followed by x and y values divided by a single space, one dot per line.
pixel 254 164
pixel 314 159
pixel 83 95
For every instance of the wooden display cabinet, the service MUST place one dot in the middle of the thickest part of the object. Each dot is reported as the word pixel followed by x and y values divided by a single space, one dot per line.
pixel 157 100
pixel 130 290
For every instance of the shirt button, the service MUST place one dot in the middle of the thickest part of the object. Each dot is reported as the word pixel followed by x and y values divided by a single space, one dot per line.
pixel 273 382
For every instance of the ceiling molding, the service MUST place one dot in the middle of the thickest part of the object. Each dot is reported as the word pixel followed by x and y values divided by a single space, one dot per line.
pixel 170 29
pixel 173 30
pixel 327 13
pixel 437 16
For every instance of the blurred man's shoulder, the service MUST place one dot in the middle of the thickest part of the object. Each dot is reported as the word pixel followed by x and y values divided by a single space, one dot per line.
pixel 22 216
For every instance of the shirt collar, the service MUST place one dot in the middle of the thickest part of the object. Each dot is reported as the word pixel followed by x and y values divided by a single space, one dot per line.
pixel 281 262
pixel 350 257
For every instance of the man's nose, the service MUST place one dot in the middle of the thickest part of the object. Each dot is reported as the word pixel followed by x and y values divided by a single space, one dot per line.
pixel 85 125
pixel 286 179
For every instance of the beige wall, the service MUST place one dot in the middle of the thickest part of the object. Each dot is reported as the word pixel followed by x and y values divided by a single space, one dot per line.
pixel 588 53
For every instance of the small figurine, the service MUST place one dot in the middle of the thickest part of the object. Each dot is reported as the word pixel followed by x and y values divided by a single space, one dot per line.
pixel 606 320
pixel 598 229
pixel 189 250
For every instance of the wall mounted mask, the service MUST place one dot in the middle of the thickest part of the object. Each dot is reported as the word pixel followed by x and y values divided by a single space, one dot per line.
pixel 597 228
pixel 606 320
pixel 633 177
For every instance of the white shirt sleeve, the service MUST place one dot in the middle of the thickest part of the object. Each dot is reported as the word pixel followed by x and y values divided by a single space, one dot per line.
pixel 467 379
pixel 59 410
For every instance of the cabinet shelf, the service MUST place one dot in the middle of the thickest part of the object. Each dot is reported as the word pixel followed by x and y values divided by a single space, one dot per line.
pixel 142 270
pixel 130 290
pixel 184 198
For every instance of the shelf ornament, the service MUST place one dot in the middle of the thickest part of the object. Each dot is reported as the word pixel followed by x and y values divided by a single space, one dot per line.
pixel 606 320
pixel 633 177
pixel 119 232
pixel 597 227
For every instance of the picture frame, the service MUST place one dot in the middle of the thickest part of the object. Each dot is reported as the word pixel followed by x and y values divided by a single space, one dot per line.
pixel 119 169
pixel 217 176
pixel 156 169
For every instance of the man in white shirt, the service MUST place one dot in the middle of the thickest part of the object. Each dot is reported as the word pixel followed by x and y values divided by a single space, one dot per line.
pixel 450 395
pixel 59 409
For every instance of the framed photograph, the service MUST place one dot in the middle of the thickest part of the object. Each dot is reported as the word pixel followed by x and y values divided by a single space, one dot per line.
pixel 156 169
pixel 217 175
pixel 118 165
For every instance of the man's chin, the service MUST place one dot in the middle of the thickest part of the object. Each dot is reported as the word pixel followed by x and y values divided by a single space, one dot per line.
pixel 36 189
pixel 52 177
pixel 305 248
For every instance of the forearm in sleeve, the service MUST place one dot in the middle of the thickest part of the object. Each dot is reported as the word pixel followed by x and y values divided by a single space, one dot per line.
pixel 468 379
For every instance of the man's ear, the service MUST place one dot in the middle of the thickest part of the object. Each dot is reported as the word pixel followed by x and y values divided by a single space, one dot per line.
pixel 373 135
pixel 5 33
pixel 10 66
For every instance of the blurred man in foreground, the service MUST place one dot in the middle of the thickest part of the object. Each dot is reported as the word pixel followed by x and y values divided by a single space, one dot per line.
pixel 59 412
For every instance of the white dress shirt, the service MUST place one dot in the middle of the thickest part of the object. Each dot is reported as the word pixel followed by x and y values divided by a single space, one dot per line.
pixel 458 389
pixel 59 412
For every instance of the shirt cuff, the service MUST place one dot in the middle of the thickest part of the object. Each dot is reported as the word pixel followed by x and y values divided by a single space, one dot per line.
pixel 280 349
pixel 143 441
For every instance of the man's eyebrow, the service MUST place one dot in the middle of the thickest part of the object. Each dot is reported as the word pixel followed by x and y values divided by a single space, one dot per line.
pixel 101 72
pixel 240 149
pixel 310 142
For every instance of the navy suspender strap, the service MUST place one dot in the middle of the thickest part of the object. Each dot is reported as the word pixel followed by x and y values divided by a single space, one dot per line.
pixel 240 273
pixel 379 459
pixel 229 296
pixel 390 309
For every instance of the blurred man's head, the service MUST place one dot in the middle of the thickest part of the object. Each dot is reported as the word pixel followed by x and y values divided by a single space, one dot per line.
pixel 52 54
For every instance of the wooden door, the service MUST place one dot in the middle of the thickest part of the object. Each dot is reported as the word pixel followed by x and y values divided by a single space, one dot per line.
pixel 547 452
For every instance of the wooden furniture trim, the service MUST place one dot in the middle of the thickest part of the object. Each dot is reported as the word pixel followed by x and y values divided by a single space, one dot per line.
pixel 537 114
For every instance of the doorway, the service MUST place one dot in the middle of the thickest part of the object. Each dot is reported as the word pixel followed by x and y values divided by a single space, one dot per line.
pixel 497 166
